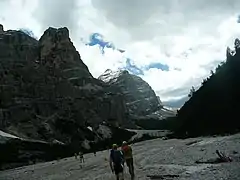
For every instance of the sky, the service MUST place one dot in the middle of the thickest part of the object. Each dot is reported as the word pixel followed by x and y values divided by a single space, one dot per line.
pixel 171 44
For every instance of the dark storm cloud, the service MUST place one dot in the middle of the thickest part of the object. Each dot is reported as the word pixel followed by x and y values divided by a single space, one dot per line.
pixel 146 19
pixel 58 13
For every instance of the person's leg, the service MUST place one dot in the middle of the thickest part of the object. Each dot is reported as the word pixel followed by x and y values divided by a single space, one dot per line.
pixel 116 170
pixel 132 166
pixel 124 167
pixel 128 162
pixel 121 176
pixel 81 162
pixel 119 172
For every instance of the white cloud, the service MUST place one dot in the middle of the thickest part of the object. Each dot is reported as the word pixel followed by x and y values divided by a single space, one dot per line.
pixel 189 36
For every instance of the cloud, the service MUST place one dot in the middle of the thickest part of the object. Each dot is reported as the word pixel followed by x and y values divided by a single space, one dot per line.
pixel 28 32
pixel 150 19
pixel 157 65
pixel 130 66
pixel 98 39
pixel 171 44
pixel 176 103
pixel 57 13
pixel 139 70
pixel 17 14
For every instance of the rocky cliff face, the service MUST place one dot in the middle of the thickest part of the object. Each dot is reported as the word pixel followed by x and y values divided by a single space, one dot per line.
pixel 48 93
pixel 139 96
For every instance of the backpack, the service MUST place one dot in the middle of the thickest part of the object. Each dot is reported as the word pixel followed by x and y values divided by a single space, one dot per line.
pixel 127 151
pixel 117 156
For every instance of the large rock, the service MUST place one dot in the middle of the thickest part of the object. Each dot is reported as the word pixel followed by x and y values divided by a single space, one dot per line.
pixel 47 92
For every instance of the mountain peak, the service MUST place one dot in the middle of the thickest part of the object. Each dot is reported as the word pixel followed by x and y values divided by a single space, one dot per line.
pixel 57 50
pixel 110 75
pixel 108 71
pixel 56 33
pixel 55 39
pixel 140 97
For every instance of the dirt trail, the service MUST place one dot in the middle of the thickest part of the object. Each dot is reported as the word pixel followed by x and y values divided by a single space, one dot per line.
pixel 154 159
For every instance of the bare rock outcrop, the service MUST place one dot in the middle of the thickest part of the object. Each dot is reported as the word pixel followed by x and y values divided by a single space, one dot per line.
pixel 140 98
pixel 47 92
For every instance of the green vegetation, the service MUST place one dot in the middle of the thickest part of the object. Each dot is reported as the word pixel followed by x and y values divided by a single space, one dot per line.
pixel 213 108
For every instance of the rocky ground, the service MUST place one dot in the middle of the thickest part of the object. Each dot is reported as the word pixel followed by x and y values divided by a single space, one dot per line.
pixel 155 159
pixel 145 134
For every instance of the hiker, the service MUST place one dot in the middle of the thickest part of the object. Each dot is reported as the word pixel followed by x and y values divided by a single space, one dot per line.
pixel 116 161
pixel 75 154
pixel 128 157
pixel 81 157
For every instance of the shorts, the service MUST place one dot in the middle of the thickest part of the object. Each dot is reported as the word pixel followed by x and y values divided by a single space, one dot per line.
pixel 118 168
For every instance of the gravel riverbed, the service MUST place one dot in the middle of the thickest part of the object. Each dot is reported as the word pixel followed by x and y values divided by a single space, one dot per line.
pixel 172 159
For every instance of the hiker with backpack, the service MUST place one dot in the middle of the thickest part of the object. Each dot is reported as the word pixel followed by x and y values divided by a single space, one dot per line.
pixel 128 157
pixel 75 154
pixel 81 157
pixel 116 162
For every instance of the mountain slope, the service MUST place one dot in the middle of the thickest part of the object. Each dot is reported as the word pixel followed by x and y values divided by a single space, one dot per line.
pixel 140 98
pixel 47 92
pixel 214 107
